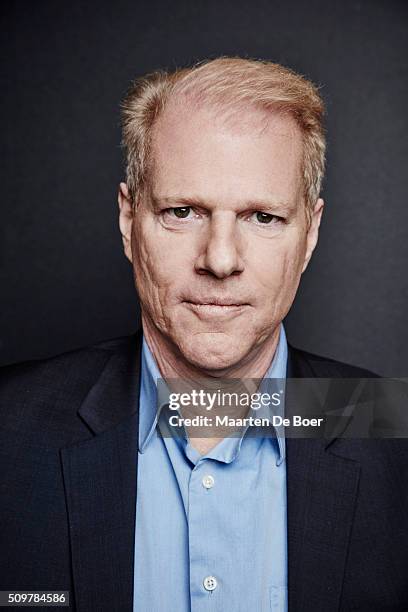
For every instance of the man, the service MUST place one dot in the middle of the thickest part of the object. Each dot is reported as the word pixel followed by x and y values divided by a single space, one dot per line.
pixel 219 217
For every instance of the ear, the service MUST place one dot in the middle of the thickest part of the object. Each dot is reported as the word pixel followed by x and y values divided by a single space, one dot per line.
pixel 125 219
pixel 313 231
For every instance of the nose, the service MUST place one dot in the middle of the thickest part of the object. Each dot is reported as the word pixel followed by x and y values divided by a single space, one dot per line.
pixel 221 255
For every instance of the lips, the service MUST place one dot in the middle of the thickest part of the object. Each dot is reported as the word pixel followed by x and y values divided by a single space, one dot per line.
pixel 216 301
pixel 214 307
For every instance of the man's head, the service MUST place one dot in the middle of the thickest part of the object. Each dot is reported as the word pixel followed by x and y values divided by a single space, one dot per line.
pixel 221 208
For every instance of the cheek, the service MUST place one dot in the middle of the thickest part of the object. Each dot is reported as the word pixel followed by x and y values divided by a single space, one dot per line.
pixel 277 272
pixel 159 264
pixel 148 266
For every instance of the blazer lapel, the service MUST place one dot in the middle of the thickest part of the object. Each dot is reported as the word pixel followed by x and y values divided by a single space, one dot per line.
pixel 321 494
pixel 100 483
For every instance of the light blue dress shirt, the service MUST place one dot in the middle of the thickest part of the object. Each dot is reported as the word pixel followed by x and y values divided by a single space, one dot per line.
pixel 210 530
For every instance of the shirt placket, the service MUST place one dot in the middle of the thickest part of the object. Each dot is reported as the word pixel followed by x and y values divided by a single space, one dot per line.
pixel 205 583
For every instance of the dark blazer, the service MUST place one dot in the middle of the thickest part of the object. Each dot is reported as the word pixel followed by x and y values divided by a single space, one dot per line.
pixel 68 465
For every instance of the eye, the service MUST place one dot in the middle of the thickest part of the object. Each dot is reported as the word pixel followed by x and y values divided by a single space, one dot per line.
pixel 181 212
pixel 177 214
pixel 180 216
pixel 266 218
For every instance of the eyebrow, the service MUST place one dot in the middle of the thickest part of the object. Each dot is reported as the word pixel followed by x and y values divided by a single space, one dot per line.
pixel 255 204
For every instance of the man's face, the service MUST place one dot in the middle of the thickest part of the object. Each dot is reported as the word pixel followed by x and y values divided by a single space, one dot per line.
pixel 219 243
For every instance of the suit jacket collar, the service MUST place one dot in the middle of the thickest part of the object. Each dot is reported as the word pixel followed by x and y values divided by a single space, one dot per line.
pixel 115 396
pixel 100 477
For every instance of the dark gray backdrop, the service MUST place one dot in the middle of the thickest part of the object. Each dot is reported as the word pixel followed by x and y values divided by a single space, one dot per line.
pixel 66 65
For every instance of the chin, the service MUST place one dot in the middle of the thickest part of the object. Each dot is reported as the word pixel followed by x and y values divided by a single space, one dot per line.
pixel 212 351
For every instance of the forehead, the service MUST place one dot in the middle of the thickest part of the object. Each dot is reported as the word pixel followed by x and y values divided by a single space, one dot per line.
pixel 226 156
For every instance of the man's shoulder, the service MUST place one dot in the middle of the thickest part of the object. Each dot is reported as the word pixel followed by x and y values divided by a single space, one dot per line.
pixel 302 363
pixel 51 390
pixel 58 366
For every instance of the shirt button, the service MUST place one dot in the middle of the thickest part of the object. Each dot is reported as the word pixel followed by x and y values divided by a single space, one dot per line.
pixel 210 583
pixel 208 481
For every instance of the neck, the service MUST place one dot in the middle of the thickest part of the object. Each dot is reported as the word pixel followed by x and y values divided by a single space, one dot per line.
pixel 172 364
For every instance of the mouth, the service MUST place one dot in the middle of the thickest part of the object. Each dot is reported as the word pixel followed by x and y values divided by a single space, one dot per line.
pixel 214 307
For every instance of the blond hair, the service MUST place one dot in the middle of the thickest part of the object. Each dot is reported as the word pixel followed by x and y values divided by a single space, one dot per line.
pixel 224 83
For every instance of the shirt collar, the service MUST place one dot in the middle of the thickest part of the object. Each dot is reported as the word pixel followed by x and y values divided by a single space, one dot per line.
pixel 150 374
pixel 148 413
